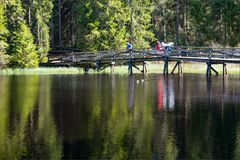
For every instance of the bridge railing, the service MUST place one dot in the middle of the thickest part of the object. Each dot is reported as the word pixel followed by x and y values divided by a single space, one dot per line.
pixel 206 52
pixel 187 51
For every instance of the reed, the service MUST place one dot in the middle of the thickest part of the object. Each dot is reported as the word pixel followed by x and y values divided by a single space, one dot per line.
pixel 157 68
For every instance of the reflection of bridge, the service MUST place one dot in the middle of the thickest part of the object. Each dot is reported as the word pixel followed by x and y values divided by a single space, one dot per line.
pixel 103 59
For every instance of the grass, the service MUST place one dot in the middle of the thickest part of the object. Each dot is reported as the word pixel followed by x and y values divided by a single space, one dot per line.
pixel 196 68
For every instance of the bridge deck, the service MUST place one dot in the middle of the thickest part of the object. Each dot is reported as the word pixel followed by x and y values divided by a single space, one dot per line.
pixel 103 58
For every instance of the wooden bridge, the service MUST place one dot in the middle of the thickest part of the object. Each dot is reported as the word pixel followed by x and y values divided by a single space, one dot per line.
pixel 103 59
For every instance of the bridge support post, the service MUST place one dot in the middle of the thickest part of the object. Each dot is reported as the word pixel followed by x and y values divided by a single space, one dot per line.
pixel 224 69
pixel 98 65
pixel 178 64
pixel 144 67
pixel 130 67
pixel 165 70
pixel 112 66
pixel 215 71
pixel 208 73
pixel 86 69
pixel 209 69
pixel 180 70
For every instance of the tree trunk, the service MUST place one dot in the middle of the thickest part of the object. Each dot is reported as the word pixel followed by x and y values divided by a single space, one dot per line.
pixel 186 21
pixel 59 24
pixel 164 25
pixel 177 22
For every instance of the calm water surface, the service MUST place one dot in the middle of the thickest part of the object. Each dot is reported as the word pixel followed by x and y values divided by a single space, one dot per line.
pixel 119 117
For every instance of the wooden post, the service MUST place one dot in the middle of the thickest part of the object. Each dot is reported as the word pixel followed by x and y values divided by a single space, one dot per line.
pixel 210 68
pixel 165 70
pixel 175 67
pixel 112 66
pixel 144 67
pixel 178 64
pixel 86 69
pixel 208 73
pixel 98 65
pixel 73 58
pixel 216 72
pixel 224 69
pixel 130 65
pixel 180 68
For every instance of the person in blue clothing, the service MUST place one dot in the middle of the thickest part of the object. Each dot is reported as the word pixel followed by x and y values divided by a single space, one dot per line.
pixel 129 46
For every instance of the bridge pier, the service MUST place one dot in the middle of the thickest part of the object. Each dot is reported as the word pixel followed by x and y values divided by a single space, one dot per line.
pixel 179 65
pixel 224 69
pixel 130 67
pixel 144 70
pixel 209 69
pixel 112 66
pixel 165 70
pixel 98 65
pixel 86 69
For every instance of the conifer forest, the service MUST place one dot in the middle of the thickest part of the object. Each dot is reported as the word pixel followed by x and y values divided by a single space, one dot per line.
pixel 29 29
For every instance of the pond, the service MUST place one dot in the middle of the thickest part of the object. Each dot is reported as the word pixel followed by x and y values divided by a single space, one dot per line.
pixel 119 117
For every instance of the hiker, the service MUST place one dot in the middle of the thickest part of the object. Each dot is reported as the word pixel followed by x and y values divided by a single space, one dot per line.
pixel 168 46
pixel 159 47
pixel 129 46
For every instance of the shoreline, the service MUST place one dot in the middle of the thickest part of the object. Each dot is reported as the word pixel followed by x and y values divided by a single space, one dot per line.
pixel 152 68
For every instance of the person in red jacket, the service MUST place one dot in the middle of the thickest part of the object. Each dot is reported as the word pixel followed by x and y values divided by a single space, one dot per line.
pixel 159 47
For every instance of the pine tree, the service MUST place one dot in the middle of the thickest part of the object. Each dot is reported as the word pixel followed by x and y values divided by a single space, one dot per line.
pixel 84 22
pixel 3 35
pixel 109 29
pixel 22 49
pixel 140 23
pixel 163 17
pixel 39 13
pixel 225 16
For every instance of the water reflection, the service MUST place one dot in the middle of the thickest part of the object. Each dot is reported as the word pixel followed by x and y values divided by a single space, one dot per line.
pixel 166 95
pixel 16 105
pixel 20 100
pixel 116 117
pixel 131 91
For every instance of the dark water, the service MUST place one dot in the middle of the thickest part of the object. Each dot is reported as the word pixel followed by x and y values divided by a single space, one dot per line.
pixel 119 117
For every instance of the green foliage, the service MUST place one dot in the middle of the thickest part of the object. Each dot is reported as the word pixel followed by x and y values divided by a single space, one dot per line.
pixel 39 13
pixel 109 24
pixel 109 30
pixel 3 34
pixel 215 22
pixel 140 23
pixel 21 46
pixel 93 25
pixel 102 24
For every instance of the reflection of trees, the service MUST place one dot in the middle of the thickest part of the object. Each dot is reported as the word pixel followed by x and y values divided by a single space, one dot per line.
pixel 115 130
pixel 142 124
pixel 164 139
pixel 4 118
pixel 16 110
pixel 117 124
pixel 26 132
pixel 47 144
pixel 237 143
pixel 164 136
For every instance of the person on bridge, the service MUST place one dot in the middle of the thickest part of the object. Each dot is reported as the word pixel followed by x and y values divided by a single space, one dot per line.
pixel 168 46
pixel 129 46
pixel 159 47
